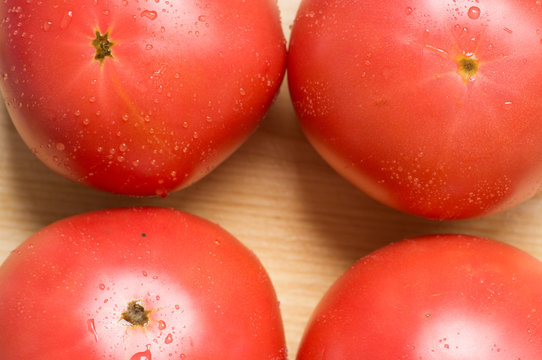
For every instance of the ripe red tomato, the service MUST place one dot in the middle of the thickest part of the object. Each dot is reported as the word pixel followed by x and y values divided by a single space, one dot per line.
pixel 436 297
pixel 431 107
pixel 137 284
pixel 138 97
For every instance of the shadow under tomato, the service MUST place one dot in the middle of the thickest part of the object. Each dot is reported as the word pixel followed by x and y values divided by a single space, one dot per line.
pixel 350 224
pixel 37 192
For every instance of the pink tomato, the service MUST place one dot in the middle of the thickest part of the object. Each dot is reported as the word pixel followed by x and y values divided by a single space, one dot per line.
pixel 431 107
pixel 138 97
pixel 137 284
pixel 449 297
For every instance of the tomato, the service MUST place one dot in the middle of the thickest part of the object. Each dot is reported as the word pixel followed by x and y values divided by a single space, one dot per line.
pixel 139 97
pixel 431 107
pixel 435 297
pixel 136 284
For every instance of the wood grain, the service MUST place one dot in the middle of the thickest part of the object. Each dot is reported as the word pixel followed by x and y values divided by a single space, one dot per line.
pixel 276 195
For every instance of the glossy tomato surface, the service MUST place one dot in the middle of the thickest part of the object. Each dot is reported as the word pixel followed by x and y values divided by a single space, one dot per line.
pixel 431 107
pixel 448 297
pixel 137 284
pixel 138 97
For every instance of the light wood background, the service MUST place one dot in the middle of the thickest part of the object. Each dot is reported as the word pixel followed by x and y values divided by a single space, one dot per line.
pixel 305 223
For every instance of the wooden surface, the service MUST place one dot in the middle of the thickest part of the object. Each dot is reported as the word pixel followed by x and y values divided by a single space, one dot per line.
pixel 305 223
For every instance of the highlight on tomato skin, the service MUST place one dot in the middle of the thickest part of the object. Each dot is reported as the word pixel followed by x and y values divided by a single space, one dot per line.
pixel 139 98
pixel 430 107
pixel 445 297
pixel 137 284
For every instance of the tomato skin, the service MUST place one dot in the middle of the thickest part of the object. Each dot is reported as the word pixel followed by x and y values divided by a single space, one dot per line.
pixel 62 291
pixel 436 297
pixel 187 83
pixel 378 90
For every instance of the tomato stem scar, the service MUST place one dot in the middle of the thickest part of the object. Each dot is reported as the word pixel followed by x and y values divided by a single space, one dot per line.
pixel 135 314
pixel 103 45
pixel 467 67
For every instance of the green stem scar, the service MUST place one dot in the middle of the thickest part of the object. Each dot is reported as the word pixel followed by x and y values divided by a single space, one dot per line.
pixel 103 46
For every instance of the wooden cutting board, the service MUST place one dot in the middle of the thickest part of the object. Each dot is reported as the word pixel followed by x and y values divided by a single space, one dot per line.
pixel 276 195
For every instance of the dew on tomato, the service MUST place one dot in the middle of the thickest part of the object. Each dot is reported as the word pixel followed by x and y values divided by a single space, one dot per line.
pixel 442 297
pixel 158 82
pixel 149 14
pixel 112 281
pixel 143 355
pixel 474 12
pixel 92 328
pixel 449 68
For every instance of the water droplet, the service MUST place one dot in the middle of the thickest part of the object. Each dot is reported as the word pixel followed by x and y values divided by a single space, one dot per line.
pixel 47 25
pixel 143 355
pixel 409 10
pixel 125 117
pixel 436 50
pixel 507 30
pixel 92 329
pixel 101 286
pixel 149 14
pixel 242 91
pixel 60 146
pixel 161 192
pixel 161 324
pixel 92 99
pixel 148 47
pixel 66 20
pixel 169 339
pixel 202 18
pixel 474 12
